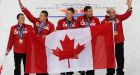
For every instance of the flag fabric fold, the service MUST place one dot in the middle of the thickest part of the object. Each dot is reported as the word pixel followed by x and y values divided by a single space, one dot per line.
pixel 36 59
pixel 103 46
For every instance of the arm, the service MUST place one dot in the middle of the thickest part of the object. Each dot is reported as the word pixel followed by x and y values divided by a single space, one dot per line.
pixel 126 15
pixel 11 40
pixel 78 22
pixel 98 21
pixel 59 27
pixel 52 28
pixel 128 12
pixel 103 21
pixel 27 12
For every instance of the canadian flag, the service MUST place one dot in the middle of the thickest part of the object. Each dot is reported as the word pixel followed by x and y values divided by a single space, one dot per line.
pixel 75 50
pixel 80 49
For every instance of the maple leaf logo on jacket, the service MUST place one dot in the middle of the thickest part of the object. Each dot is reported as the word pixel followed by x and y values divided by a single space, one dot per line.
pixel 68 52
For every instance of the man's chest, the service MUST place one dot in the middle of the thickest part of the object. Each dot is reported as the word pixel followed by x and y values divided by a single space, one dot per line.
pixel 90 22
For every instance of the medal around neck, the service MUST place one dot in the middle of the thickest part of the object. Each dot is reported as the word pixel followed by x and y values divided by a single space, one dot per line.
pixel 20 41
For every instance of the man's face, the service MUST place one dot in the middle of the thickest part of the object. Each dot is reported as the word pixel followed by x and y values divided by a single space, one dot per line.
pixel 69 14
pixel 112 13
pixel 21 19
pixel 42 17
pixel 89 13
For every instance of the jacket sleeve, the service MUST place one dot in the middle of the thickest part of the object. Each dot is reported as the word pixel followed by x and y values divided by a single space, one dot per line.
pixel 103 21
pixel 126 15
pixel 76 25
pixel 78 22
pixel 98 21
pixel 29 15
pixel 59 26
pixel 11 40
pixel 51 28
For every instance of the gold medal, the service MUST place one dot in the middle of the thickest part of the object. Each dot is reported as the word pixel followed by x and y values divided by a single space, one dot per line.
pixel 20 41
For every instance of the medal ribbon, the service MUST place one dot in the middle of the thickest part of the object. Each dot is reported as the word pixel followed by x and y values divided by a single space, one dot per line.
pixel 115 23
pixel 40 27
pixel 69 23
pixel 87 23
pixel 20 31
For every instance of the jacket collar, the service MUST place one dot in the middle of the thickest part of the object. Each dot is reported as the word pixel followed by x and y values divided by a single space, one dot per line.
pixel 71 20
pixel 107 17
pixel 46 20
pixel 22 25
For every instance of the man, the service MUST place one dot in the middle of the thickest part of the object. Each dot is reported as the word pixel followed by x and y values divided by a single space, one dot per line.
pixel 67 23
pixel 119 36
pixel 87 20
pixel 42 27
pixel 18 39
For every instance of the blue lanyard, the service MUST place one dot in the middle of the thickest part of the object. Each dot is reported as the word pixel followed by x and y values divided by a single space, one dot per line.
pixel 40 27
pixel 87 23
pixel 69 24
pixel 20 31
pixel 115 23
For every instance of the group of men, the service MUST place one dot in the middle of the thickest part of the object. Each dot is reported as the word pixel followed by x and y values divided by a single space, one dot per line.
pixel 42 26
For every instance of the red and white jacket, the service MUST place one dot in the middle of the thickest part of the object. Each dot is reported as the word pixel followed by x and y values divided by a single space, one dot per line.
pixel 46 29
pixel 63 24
pixel 93 21
pixel 119 28
pixel 14 39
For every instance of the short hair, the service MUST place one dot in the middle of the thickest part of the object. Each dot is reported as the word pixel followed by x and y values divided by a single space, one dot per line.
pixel 109 9
pixel 20 14
pixel 45 12
pixel 87 8
pixel 71 9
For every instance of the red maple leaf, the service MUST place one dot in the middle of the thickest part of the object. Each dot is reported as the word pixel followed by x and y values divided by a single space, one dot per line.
pixel 68 52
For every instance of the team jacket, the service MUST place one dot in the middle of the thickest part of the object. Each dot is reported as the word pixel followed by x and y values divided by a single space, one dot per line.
pixel 40 51
pixel 14 39
pixel 47 29
pixel 93 21
pixel 119 28
pixel 64 24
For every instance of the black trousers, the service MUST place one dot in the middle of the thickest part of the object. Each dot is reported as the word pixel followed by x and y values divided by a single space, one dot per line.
pixel 17 58
pixel 119 54
pixel 67 73
pixel 42 74
pixel 82 72
pixel 89 72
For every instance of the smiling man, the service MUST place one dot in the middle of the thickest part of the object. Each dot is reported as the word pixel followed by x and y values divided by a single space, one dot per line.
pixel 67 23
pixel 42 27
pixel 119 36
pixel 84 21
pixel 18 40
